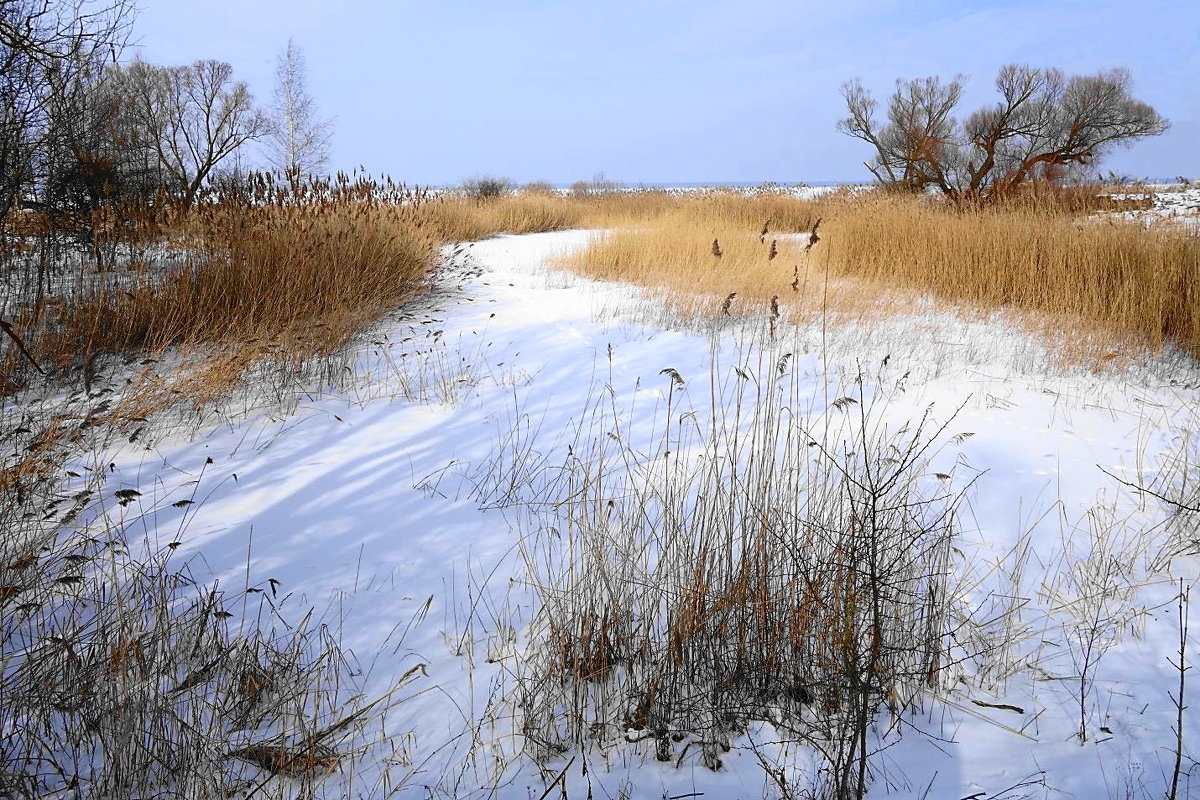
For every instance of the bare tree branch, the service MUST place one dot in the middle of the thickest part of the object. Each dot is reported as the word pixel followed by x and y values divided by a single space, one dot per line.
pixel 12 334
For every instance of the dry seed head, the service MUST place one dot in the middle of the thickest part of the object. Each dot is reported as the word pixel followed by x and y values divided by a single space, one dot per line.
pixel 727 303
pixel 676 378
pixel 813 238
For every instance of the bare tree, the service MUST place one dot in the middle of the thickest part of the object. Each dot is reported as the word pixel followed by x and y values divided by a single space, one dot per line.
pixel 192 117
pixel 99 152
pixel 45 46
pixel 910 151
pixel 1044 123
pixel 84 154
pixel 49 31
pixel 298 142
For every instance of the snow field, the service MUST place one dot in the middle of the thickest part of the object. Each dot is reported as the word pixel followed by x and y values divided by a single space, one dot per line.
pixel 413 511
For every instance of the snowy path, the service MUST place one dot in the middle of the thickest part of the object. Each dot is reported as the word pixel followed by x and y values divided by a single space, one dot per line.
pixel 369 508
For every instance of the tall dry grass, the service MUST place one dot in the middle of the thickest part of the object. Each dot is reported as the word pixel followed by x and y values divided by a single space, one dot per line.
pixel 745 562
pixel 535 210
pixel 1039 254
pixel 711 246
pixel 785 213
pixel 468 219
pixel 292 283
pixel 1135 283
pixel 285 279
pixel 122 675
pixel 291 273
pixel 314 274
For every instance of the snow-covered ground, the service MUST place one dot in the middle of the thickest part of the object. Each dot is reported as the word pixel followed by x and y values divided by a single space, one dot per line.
pixel 396 509
pixel 1178 204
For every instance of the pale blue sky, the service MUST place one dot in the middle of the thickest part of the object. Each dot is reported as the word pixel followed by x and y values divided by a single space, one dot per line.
pixel 665 90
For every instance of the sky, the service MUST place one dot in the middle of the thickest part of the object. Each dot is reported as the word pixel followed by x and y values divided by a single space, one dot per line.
pixel 665 91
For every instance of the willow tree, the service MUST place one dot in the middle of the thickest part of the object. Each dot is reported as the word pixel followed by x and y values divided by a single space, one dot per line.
pixel 1044 124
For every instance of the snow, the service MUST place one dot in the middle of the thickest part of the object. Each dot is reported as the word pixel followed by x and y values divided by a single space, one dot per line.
pixel 1174 204
pixel 370 503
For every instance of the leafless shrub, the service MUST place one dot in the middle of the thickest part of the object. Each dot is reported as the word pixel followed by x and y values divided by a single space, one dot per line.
pixel 540 188
pixel 598 185
pixel 487 187
pixel 1094 598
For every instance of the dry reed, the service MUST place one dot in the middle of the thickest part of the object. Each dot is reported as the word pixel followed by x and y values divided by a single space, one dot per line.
pixel 290 274
pixel 1119 281
pixel 709 246
pixel 1139 284
pixel 738 566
